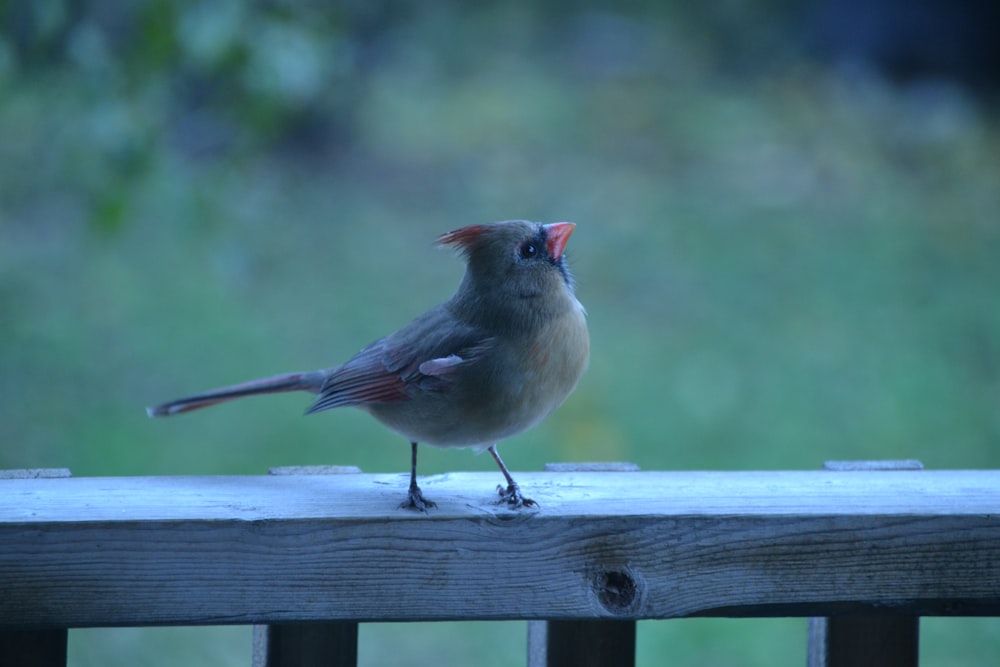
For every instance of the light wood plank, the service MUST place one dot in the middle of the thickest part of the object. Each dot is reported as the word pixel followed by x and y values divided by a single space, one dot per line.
pixel 277 549
pixel 461 495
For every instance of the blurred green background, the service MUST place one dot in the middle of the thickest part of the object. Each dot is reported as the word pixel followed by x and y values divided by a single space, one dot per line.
pixel 787 245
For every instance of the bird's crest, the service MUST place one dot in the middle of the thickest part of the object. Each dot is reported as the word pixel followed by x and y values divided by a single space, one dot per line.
pixel 463 238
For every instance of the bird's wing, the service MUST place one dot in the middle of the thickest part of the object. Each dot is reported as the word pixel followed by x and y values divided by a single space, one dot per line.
pixel 419 358
pixel 365 378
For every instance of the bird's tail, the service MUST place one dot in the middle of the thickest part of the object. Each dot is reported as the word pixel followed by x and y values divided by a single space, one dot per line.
pixel 311 382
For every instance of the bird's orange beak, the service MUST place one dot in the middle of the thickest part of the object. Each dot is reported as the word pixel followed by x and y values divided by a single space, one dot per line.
pixel 556 236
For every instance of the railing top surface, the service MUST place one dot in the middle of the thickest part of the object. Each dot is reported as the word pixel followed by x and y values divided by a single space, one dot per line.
pixel 561 494
pixel 288 548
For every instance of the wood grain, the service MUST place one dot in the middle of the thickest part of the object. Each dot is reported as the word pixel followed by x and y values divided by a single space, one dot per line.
pixel 276 549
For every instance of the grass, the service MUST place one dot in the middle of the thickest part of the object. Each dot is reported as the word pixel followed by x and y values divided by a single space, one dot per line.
pixel 782 267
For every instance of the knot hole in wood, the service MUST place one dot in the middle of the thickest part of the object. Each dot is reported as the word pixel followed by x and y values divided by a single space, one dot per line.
pixel 618 591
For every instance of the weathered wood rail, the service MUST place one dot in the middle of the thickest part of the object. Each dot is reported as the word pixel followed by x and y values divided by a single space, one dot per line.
pixel 308 556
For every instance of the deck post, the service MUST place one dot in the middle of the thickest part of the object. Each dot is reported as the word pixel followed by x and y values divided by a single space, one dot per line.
pixel 331 644
pixel 34 648
pixel 582 643
pixel 860 641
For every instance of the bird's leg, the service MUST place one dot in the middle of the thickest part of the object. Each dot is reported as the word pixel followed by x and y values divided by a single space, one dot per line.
pixel 512 494
pixel 415 497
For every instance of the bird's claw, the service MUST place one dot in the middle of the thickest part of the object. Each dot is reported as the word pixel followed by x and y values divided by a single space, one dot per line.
pixel 415 501
pixel 512 496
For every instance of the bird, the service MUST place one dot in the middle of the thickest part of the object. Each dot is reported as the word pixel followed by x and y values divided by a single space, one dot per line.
pixel 492 361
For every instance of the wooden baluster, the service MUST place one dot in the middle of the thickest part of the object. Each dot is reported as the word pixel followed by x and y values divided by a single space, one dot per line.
pixel 582 642
pixel 860 641
pixel 329 644
pixel 34 648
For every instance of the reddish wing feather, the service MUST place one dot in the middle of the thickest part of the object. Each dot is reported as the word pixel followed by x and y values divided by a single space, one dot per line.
pixel 363 379
pixel 381 373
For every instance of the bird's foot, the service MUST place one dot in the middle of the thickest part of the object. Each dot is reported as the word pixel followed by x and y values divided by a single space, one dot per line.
pixel 512 496
pixel 415 501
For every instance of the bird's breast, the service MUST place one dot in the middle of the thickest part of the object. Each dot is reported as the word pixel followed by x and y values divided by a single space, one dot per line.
pixel 559 356
pixel 509 389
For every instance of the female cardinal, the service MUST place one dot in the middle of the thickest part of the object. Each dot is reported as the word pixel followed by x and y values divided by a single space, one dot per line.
pixel 489 363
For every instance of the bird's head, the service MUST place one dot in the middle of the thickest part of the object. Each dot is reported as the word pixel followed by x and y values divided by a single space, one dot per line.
pixel 513 269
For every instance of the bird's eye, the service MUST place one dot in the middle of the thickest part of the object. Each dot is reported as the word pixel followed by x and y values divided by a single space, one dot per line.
pixel 528 250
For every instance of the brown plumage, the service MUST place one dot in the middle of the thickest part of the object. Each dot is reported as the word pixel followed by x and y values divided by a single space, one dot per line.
pixel 494 360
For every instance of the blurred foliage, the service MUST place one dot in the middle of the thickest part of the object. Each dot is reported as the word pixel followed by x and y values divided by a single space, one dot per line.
pixel 784 259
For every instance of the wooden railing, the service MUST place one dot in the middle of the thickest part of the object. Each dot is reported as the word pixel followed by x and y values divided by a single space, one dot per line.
pixel 306 557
